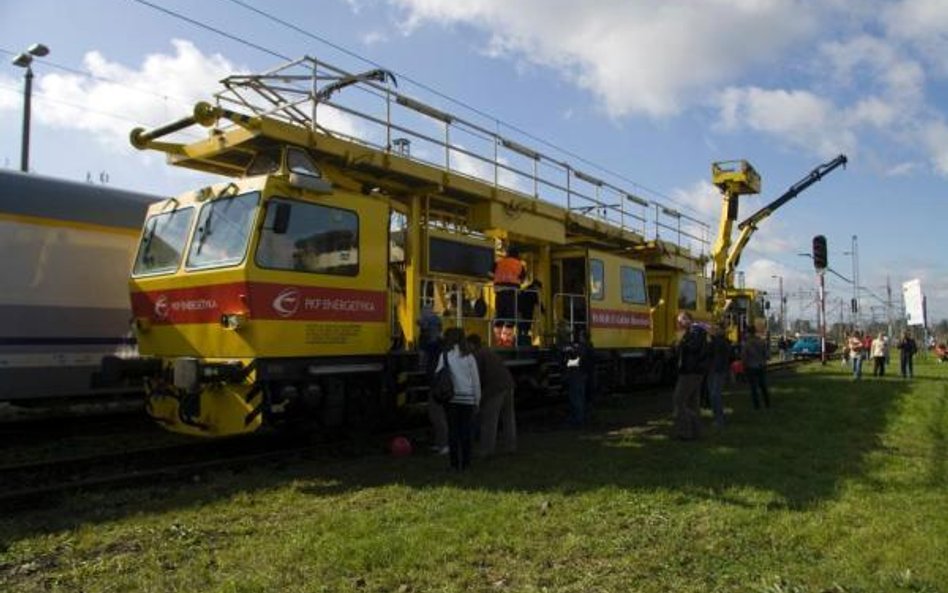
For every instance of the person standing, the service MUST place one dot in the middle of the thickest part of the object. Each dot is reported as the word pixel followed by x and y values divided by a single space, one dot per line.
pixel 576 362
pixel 509 274
pixel 720 355
pixel 878 350
pixel 907 349
pixel 855 354
pixel 429 344
pixel 754 357
pixel 692 363
pixel 467 396
pixel 497 398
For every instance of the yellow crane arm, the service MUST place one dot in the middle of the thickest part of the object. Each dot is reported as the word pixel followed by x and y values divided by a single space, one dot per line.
pixel 733 178
pixel 748 227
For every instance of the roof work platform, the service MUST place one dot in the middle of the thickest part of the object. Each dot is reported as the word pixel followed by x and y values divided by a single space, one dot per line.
pixel 358 127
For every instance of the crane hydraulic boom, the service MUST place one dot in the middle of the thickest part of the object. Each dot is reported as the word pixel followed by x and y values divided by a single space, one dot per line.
pixel 749 226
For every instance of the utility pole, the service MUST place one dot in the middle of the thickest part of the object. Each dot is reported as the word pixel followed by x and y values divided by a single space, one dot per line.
pixel 855 254
pixel 856 279
pixel 888 302
pixel 842 321
pixel 783 305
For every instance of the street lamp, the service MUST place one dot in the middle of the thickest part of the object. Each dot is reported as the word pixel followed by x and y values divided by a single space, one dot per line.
pixel 25 60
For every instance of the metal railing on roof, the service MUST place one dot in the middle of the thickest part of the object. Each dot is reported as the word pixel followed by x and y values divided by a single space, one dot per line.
pixel 307 92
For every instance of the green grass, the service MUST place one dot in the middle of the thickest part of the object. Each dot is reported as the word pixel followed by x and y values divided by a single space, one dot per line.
pixel 841 486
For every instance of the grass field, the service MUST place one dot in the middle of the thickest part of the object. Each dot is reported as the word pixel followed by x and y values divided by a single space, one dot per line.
pixel 841 486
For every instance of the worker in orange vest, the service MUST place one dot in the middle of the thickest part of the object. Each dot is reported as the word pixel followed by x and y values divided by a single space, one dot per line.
pixel 509 274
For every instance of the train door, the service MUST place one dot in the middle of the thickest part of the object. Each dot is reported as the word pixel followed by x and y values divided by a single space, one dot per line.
pixel 659 297
pixel 570 305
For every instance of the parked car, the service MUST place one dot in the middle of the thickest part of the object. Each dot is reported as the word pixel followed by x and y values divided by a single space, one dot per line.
pixel 808 346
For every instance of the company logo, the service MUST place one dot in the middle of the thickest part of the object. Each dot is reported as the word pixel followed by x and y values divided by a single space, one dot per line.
pixel 161 307
pixel 287 303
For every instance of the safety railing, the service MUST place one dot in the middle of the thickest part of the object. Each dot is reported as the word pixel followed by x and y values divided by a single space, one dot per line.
pixel 513 329
pixel 459 303
pixel 507 330
pixel 309 93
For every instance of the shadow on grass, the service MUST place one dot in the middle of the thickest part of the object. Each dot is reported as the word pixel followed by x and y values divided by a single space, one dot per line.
pixel 819 432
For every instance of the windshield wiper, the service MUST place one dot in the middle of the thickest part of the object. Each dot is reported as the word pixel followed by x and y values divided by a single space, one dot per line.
pixel 205 231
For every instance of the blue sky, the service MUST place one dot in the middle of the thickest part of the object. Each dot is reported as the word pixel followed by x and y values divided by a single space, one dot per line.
pixel 651 90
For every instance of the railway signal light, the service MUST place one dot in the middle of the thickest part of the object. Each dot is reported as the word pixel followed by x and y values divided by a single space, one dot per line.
pixel 819 252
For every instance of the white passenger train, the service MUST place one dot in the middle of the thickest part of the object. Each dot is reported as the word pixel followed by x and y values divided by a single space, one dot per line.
pixel 65 254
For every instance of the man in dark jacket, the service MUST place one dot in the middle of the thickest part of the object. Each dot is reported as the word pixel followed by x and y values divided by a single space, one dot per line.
pixel 497 398
pixel 579 366
pixel 907 350
pixel 692 365
pixel 754 357
pixel 720 366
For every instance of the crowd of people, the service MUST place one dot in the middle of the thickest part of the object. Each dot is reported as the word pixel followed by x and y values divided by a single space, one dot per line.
pixel 483 400
pixel 484 388
pixel 861 346
pixel 705 362
pixel 483 392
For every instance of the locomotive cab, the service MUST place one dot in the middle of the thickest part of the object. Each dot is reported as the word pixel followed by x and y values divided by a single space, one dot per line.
pixel 248 289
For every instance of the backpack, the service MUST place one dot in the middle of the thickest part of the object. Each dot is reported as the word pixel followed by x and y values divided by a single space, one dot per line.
pixel 442 388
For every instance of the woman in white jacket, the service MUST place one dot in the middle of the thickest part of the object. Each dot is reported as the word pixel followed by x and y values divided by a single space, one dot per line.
pixel 467 396
pixel 880 353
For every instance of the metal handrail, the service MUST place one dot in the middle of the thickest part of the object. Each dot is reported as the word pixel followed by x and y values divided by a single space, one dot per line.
pixel 285 93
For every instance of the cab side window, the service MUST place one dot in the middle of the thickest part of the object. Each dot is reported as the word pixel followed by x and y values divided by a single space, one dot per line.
pixel 633 285
pixel 317 239
pixel 597 279
pixel 687 294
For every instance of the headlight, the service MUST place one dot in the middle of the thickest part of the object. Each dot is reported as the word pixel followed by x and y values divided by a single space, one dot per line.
pixel 233 321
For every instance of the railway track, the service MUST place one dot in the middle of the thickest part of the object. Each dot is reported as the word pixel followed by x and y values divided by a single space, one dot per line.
pixel 30 484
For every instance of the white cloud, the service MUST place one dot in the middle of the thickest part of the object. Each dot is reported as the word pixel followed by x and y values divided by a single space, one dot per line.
pixel 373 38
pixel 900 169
pixel 800 118
pixel 924 25
pixel 340 122
pixel 702 197
pixel 162 89
pixel 771 239
pixel 613 49
pixel 661 58
pixel 760 274
pixel 935 137
pixel 10 96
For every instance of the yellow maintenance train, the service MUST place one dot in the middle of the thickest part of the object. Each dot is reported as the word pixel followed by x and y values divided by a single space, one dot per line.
pixel 294 288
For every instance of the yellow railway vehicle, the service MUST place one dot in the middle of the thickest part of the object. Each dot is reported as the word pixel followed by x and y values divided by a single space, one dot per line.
pixel 732 304
pixel 294 288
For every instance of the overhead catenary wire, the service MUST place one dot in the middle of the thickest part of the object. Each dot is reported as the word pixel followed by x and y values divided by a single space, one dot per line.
pixel 463 104
pixel 497 121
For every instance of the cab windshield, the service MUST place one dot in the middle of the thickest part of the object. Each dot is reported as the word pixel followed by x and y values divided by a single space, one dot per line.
pixel 222 231
pixel 163 242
